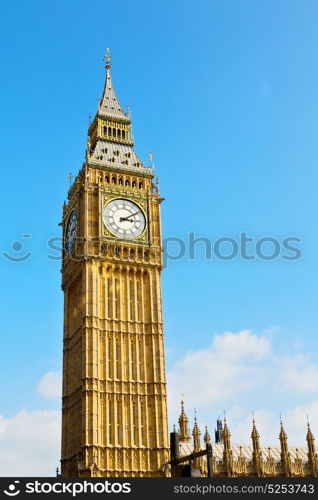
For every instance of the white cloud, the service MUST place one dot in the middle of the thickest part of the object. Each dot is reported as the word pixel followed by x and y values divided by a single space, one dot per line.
pixel 232 364
pixel 30 443
pixel 50 385
pixel 299 374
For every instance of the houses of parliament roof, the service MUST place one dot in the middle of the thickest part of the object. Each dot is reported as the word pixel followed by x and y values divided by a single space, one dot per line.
pixel 251 459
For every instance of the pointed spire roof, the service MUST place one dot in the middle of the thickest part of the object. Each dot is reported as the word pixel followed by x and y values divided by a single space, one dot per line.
pixel 109 104
pixel 196 430
pixel 183 425
pixel 196 434
pixel 310 436
pixel 207 437
pixel 226 431
pixel 255 433
pixel 282 434
pixel 110 143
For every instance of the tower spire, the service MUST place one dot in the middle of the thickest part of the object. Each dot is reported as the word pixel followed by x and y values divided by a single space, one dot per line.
pixel 196 434
pixel 257 455
pixel 109 105
pixel 184 431
pixel 312 455
pixel 219 430
pixel 196 441
pixel 284 454
pixel 207 437
pixel 227 452
pixel 110 134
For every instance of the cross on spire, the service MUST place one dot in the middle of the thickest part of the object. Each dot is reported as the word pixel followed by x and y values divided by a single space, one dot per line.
pixel 107 58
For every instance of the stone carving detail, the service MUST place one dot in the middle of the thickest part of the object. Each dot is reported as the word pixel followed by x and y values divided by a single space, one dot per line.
pixel 111 461
pixel 120 459
pixel 135 459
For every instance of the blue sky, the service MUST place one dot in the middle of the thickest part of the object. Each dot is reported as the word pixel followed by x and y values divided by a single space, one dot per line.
pixel 225 95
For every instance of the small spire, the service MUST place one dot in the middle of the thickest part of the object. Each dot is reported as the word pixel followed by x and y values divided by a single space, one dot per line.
pixel 207 437
pixel 312 455
pixel 308 427
pixel 255 434
pixel 184 431
pixel 226 431
pixel 150 158
pixel 196 427
pixel 108 59
pixel 196 434
pixel 70 178
pixel 310 436
pixel 282 434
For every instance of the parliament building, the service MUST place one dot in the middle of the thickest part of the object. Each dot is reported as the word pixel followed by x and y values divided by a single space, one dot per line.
pixel 114 410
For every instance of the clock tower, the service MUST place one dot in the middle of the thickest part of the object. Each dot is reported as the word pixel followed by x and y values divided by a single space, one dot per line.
pixel 114 417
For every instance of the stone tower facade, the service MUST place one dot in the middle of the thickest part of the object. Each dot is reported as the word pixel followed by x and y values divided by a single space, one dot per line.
pixel 114 420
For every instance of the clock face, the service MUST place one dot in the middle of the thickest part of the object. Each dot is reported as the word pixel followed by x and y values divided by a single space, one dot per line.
pixel 71 230
pixel 124 219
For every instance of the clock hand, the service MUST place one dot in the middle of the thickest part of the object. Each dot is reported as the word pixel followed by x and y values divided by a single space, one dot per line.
pixel 132 215
pixel 128 217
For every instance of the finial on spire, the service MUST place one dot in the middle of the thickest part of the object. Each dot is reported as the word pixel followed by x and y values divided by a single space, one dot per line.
pixel 128 107
pixel 182 403
pixel 70 178
pixel 151 158
pixel 107 58
pixel 207 437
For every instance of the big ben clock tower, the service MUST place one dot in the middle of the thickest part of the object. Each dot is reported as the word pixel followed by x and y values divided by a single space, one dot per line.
pixel 114 420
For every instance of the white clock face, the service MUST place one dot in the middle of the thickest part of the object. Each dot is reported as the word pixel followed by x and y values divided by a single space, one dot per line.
pixel 71 231
pixel 124 219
